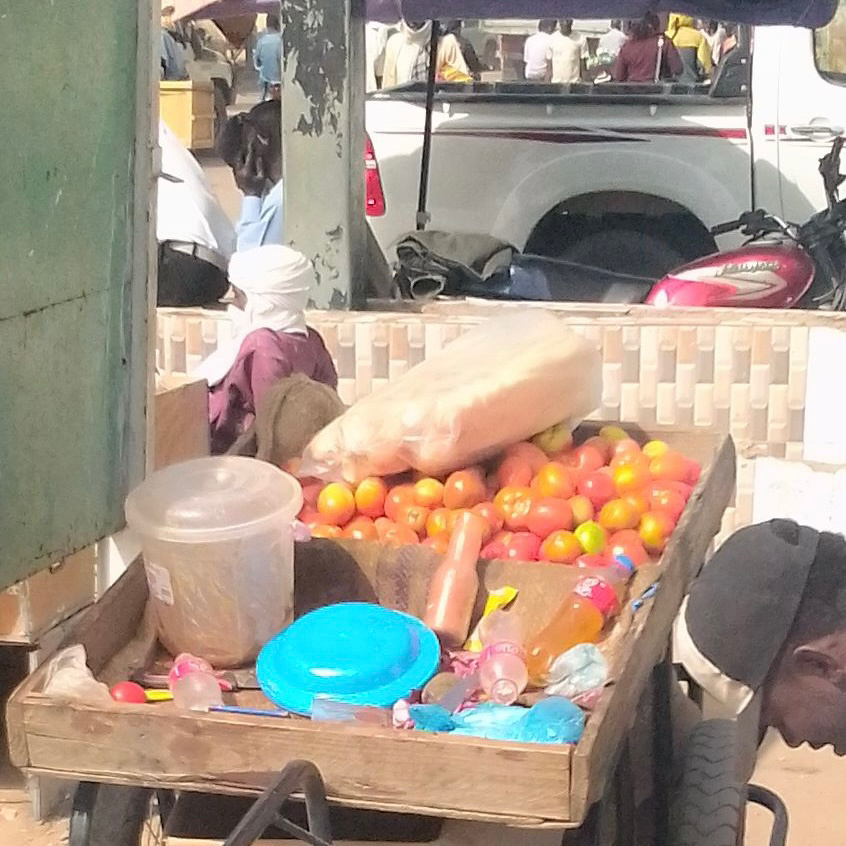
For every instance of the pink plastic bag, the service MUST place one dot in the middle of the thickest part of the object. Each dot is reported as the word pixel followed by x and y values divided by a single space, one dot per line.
pixel 499 383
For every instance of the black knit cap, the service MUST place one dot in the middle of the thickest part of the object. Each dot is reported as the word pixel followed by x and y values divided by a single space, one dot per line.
pixel 741 608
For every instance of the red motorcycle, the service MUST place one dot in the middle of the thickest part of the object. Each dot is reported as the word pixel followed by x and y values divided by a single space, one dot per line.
pixel 782 265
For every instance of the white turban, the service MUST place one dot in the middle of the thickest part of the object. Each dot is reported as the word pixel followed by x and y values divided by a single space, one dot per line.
pixel 276 281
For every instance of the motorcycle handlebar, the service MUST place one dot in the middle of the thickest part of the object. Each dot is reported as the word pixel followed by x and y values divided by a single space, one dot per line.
pixel 724 228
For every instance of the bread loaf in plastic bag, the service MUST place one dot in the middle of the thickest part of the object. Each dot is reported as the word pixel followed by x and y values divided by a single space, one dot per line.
pixel 501 382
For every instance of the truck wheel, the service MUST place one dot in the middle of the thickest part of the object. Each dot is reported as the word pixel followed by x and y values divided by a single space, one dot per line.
pixel 625 251
pixel 709 808
pixel 110 815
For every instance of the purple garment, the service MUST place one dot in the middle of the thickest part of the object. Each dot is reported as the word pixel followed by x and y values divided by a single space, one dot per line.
pixel 265 357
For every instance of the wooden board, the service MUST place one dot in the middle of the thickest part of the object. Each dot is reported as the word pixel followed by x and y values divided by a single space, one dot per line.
pixel 180 421
pixel 516 784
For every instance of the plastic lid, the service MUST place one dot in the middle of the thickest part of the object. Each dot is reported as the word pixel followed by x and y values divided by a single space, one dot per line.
pixel 213 499
pixel 352 652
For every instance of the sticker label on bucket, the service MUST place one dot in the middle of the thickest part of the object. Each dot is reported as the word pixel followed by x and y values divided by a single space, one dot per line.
pixel 158 580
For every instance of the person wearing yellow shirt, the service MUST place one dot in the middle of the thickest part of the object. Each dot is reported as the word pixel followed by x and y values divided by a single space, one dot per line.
pixel 693 48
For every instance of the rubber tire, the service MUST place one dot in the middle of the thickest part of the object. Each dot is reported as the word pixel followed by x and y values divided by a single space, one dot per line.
pixel 117 816
pixel 625 251
pixel 709 808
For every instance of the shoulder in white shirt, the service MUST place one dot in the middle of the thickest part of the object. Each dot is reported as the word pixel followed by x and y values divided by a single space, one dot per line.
pixel 536 55
pixel 611 42
pixel 187 210
pixel 567 54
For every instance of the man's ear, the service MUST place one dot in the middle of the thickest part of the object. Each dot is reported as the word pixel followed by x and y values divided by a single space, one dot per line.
pixel 809 659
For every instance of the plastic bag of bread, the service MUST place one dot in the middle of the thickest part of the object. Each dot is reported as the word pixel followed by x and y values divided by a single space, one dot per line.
pixel 499 383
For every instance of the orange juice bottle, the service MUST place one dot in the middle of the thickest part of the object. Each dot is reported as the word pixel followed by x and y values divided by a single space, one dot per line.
pixel 452 592
pixel 579 619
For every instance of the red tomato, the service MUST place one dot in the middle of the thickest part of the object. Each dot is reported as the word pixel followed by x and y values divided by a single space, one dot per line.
pixel 561 547
pixel 670 465
pixel 398 497
pixel 530 453
pixel 629 447
pixel 440 543
pixel 400 536
pixel 631 477
pixel 618 514
pixel 668 500
pixel 336 504
pixel 360 528
pixel 598 487
pixel 370 497
pixel 413 516
pixel 512 504
pixel 514 471
pixel 638 500
pixel 496 547
pixel 583 509
pixel 627 542
pixel 128 692
pixel 604 446
pixel 321 531
pixel 655 530
pixel 547 515
pixel 523 546
pixel 585 459
pixel 555 479
pixel 440 522
pixel 487 511
pixel 429 493
pixel 464 489
pixel 311 490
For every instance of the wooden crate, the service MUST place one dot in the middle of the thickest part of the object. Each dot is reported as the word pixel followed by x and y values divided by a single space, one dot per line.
pixel 188 110
pixel 35 605
pixel 527 785
pixel 181 419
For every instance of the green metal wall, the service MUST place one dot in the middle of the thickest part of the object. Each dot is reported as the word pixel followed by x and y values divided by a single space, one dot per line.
pixel 68 123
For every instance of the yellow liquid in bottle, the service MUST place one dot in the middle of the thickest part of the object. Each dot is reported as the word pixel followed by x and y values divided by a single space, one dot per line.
pixel 577 621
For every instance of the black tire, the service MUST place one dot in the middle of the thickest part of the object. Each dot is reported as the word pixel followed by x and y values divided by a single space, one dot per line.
pixel 709 808
pixel 625 251
pixel 118 816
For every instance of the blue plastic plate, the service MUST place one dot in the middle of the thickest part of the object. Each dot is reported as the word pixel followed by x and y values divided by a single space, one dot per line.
pixel 352 652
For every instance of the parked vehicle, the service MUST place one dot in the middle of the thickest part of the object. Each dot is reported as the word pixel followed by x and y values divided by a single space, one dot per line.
pixel 619 176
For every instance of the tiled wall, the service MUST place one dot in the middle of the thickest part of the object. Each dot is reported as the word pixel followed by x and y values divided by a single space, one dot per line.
pixel 741 373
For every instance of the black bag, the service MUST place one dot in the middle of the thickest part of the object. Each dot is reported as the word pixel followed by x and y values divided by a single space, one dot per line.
pixel 433 263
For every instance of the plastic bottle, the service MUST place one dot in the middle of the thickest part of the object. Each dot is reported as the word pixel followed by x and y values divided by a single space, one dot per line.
pixel 452 592
pixel 193 684
pixel 579 619
pixel 502 664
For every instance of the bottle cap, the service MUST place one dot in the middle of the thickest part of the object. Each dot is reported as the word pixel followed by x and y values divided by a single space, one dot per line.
pixel 625 562
pixel 600 593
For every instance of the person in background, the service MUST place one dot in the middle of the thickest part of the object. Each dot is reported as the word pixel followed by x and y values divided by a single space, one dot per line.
pixel 268 57
pixel 568 54
pixel 194 234
pixel 613 40
pixel 693 48
pixel 468 51
pixel 172 63
pixel 638 59
pixel 537 52
pixel 729 42
pixel 407 56
pixel 375 41
pixel 271 341
pixel 251 144
pixel 764 626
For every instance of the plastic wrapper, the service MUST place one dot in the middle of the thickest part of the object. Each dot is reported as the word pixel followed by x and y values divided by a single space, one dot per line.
pixel 499 383
pixel 577 671
pixel 68 677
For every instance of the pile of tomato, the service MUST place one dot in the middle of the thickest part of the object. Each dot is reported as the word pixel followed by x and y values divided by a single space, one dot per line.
pixel 608 496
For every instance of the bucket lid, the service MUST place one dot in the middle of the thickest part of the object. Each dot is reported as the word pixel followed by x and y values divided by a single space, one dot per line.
pixel 213 499
pixel 352 652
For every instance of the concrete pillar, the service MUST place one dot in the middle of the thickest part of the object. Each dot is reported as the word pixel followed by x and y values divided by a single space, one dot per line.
pixel 323 143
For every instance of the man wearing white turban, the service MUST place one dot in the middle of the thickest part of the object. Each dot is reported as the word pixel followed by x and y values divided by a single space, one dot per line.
pixel 271 340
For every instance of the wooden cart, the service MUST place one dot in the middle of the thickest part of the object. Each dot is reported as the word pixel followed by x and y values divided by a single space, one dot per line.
pixel 596 791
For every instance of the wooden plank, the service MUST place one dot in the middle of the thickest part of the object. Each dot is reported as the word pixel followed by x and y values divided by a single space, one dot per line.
pixel 596 754
pixel 384 768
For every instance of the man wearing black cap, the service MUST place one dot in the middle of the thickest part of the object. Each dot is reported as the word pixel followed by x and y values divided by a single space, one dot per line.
pixel 768 615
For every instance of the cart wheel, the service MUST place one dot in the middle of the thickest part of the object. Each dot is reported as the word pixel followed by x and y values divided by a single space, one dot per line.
pixel 109 815
pixel 709 808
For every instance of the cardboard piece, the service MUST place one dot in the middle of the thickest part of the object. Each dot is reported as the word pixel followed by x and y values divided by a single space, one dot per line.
pixel 181 420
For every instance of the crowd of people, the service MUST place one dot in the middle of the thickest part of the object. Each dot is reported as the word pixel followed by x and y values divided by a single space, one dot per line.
pixel 643 51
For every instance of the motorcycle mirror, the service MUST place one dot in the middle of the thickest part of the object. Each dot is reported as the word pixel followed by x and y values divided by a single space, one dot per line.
pixel 830 171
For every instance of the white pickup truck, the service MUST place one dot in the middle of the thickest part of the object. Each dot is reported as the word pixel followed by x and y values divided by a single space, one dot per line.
pixel 619 176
